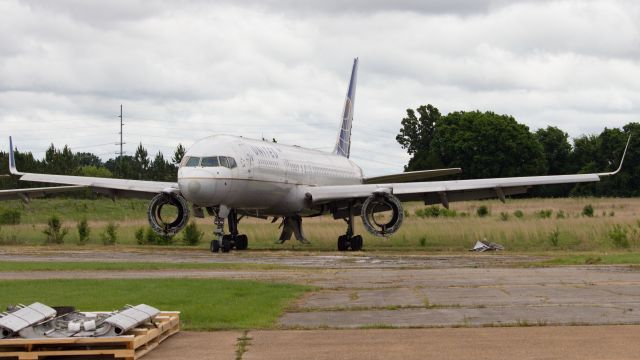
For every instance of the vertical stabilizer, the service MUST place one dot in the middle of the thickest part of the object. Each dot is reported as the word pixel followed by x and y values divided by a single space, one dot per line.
pixel 343 144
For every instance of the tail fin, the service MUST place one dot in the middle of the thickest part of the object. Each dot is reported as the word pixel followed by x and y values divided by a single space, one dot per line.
pixel 343 144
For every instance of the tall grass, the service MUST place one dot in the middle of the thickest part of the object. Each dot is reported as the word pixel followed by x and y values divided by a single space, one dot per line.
pixel 528 232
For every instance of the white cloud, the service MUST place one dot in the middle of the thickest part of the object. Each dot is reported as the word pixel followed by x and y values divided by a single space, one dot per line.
pixel 279 68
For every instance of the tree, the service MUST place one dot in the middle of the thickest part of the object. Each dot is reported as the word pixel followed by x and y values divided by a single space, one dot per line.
pixel 178 154
pixel 487 145
pixel 142 162
pixel 557 152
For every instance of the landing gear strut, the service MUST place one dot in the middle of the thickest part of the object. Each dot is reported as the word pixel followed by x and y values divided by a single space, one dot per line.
pixel 226 242
pixel 348 240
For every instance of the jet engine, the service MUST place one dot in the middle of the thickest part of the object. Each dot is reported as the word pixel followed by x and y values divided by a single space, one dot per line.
pixel 382 214
pixel 168 224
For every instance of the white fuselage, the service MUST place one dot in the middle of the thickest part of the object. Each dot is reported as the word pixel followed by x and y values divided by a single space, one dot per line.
pixel 257 175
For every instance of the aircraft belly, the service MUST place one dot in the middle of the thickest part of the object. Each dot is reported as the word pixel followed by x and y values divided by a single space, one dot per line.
pixel 266 196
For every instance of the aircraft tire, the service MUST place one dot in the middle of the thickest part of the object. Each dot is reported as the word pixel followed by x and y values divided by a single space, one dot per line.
pixel 343 243
pixel 226 244
pixel 242 242
pixel 356 243
pixel 215 246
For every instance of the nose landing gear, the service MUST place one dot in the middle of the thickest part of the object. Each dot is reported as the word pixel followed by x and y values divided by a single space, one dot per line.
pixel 226 242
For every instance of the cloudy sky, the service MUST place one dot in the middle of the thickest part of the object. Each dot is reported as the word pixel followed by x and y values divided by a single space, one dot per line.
pixel 279 68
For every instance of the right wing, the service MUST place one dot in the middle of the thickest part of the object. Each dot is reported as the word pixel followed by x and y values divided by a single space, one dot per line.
pixel 112 187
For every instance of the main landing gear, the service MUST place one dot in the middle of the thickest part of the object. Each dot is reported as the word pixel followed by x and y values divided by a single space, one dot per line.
pixel 348 240
pixel 226 242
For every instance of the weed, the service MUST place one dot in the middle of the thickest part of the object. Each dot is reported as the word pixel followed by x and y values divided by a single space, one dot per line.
pixel 444 212
pixel 544 214
pixel 612 213
pixel 242 344
pixel 587 210
pixel 482 211
pixel 504 216
pixel 10 217
pixel 139 235
pixel 423 241
pixel 431 211
pixel 192 235
pixel 560 214
pixel 519 214
pixel 554 237
pixel 618 234
pixel 592 261
pixel 83 231
pixel 152 238
pixel 110 234
pixel 55 232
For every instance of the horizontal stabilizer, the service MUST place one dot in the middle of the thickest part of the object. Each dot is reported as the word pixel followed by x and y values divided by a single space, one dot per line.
pixel 411 176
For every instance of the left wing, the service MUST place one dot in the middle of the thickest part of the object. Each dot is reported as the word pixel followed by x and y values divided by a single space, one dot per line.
pixel 434 192
pixel 112 187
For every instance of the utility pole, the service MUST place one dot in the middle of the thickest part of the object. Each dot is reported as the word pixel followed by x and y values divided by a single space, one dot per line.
pixel 121 124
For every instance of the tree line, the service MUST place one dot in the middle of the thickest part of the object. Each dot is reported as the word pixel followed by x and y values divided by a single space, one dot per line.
pixel 66 162
pixel 486 144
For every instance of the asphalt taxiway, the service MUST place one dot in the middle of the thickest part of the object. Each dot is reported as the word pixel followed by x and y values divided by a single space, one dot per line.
pixel 410 306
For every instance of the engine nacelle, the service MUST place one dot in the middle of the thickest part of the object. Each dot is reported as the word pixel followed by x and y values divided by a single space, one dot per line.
pixel 382 214
pixel 173 226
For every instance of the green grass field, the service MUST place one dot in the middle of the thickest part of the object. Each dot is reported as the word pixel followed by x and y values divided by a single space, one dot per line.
pixel 615 226
pixel 125 266
pixel 205 304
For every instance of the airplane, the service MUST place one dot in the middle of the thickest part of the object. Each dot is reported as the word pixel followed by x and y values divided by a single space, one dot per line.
pixel 230 177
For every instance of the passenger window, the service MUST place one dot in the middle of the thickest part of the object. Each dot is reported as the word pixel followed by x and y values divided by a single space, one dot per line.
pixel 193 162
pixel 210 161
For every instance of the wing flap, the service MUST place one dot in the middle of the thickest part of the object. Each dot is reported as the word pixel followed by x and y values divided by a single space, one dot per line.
pixel 411 176
pixel 26 194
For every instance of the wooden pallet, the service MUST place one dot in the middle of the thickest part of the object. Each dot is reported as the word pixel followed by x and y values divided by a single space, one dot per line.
pixel 135 344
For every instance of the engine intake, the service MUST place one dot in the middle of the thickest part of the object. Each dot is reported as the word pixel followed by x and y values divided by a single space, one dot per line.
pixel 382 214
pixel 173 226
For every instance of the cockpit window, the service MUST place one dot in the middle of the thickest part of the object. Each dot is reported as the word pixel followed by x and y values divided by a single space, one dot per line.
pixel 232 162
pixel 224 162
pixel 210 161
pixel 193 162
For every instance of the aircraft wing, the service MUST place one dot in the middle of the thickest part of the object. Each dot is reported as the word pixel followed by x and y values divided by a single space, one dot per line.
pixel 444 192
pixel 411 176
pixel 434 192
pixel 26 194
pixel 112 187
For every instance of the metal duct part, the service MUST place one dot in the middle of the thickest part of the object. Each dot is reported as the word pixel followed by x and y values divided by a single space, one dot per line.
pixel 131 318
pixel 22 318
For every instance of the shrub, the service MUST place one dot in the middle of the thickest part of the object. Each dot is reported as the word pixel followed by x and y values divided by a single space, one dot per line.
pixel 139 234
pixel 55 232
pixel 612 213
pixel 110 234
pixel 448 212
pixel 587 210
pixel 504 216
pixel 482 211
pixel 423 241
pixel 152 238
pixel 83 231
pixel 560 214
pixel 618 234
pixel 518 213
pixel 431 211
pixel 554 237
pixel 191 235
pixel 544 214
pixel 10 217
